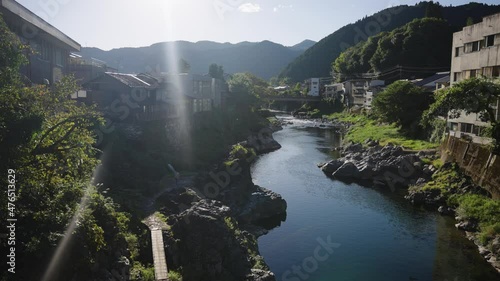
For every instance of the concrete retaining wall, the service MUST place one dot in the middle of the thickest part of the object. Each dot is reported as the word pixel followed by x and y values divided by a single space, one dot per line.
pixel 476 161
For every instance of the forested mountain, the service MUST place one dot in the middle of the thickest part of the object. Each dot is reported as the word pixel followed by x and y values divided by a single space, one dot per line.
pixel 316 61
pixel 264 59
pixel 304 45
pixel 423 43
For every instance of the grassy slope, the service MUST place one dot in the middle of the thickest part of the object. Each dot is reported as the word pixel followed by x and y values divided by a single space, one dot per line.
pixel 366 128
pixel 485 210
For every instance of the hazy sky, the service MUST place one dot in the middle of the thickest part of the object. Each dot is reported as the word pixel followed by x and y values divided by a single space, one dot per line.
pixel 108 24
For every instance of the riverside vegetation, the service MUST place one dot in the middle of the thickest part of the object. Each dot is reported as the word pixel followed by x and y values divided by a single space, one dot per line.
pixel 96 197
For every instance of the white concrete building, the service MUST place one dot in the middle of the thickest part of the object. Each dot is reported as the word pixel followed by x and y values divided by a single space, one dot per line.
pixel 314 87
pixel 334 90
pixel 476 51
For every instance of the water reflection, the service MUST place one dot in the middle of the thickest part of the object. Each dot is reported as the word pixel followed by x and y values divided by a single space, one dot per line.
pixel 382 236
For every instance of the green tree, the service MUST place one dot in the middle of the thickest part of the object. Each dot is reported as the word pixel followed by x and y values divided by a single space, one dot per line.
pixel 216 71
pixel 475 95
pixel 183 66
pixel 469 21
pixel 433 10
pixel 403 103
pixel 48 140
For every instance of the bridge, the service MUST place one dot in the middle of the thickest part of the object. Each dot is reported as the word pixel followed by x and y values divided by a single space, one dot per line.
pixel 291 98
pixel 156 225
pixel 160 261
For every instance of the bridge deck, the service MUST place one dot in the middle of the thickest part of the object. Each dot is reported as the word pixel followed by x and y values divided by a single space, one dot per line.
pixel 291 98
pixel 159 258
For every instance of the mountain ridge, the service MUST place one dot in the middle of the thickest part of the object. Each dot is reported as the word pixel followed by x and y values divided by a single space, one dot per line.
pixel 264 59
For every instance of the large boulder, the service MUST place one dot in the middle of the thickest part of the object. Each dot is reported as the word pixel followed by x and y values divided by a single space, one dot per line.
pixel 262 204
pixel 332 166
pixel 263 142
pixel 347 171
pixel 353 148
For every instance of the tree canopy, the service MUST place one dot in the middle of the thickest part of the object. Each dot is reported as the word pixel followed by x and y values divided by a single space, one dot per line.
pixel 403 103
pixel 216 71
pixel 183 66
pixel 421 44
pixel 433 10
pixel 47 139
pixel 475 95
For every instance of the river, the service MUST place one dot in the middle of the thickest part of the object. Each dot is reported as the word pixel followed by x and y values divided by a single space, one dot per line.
pixel 345 232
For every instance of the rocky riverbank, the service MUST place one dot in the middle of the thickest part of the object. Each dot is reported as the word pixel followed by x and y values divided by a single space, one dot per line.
pixel 213 225
pixel 389 166
pixel 394 167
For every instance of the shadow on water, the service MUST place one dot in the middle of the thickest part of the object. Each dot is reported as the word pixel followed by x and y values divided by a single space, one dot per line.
pixel 272 222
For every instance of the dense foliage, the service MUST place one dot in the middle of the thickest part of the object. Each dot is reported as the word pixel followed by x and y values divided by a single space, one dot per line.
pixel 216 71
pixel 403 103
pixel 475 95
pixel 316 61
pixel 48 140
pixel 423 44
pixel 246 88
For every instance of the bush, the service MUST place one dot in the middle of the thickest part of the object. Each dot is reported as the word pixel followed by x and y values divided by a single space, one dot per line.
pixel 174 276
pixel 141 273
pixel 438 130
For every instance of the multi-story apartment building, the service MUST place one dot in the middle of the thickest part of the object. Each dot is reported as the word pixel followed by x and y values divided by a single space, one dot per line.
pixel 52 47
pixel 360 92
pixel 476 51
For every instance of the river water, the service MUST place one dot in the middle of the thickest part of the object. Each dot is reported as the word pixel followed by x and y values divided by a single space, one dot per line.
pixel 345 232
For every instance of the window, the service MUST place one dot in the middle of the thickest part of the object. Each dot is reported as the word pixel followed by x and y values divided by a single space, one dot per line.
pixel 454 126
pixel 58 58
pixel 457 51
pixel 472 47
pixel 466 127
pixel 475 46
pixel 495 72
pixel 476 130
pixel 490 40
pixel 473 73
pixel 457 76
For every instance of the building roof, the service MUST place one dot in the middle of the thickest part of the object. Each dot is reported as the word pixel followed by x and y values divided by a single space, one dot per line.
pixel 25 15
pixel 131 80
pixel 438 77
